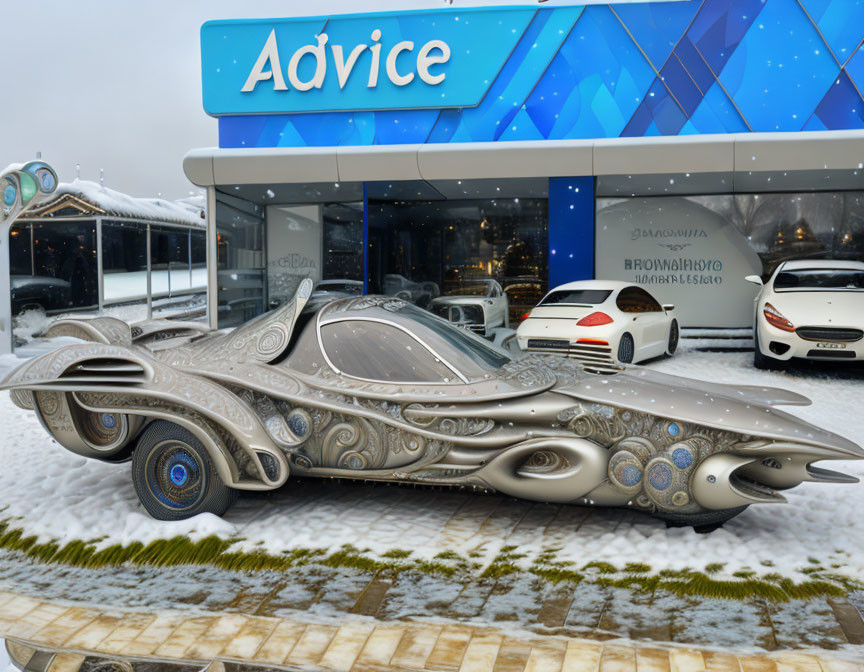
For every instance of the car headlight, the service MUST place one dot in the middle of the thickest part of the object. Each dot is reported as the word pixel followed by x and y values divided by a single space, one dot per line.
pixel 776 319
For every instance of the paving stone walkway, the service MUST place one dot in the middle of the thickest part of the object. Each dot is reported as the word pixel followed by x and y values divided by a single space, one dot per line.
pixel 63 637
pixel 523 601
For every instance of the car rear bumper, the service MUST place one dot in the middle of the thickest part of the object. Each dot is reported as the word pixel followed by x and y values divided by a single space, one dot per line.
pixel 601 354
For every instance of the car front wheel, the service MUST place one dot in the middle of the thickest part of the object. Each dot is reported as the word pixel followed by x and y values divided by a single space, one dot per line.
pixel 174 476
pixel 626 349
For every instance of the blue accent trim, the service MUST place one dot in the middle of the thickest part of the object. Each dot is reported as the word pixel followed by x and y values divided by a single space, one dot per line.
pixel 365 238
pixel 571 229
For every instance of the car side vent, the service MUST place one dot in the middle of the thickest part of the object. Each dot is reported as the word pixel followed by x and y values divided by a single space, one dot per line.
pixel 270 465
pixel 112 368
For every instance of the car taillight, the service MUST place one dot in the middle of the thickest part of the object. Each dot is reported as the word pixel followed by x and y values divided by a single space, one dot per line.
pixel 592 341
pixel 776 319
pixel 597 319
pixel 526 316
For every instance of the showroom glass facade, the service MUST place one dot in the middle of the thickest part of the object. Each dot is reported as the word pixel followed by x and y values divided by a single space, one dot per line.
pixel 398 239
pixel 55 262
pixel 695 250
pixel 424 249
pixel 418 243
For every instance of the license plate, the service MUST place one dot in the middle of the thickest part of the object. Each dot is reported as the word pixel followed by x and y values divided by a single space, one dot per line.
pixel 831 346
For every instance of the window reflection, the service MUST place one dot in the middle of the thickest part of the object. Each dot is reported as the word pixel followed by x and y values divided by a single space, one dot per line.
pixel 240 254
pixel 423 249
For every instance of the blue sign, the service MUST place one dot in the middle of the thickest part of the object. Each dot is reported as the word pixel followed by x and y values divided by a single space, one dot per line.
pixel 404 60
pixel 601 71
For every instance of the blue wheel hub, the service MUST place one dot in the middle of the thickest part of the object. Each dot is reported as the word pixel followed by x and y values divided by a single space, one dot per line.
pixel 108 420
pixel 179 475
pixel 176 475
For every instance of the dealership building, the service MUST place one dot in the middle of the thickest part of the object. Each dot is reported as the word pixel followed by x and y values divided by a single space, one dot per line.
pixel 682 145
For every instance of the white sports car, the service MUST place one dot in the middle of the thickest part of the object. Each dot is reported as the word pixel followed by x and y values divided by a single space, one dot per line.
pixel 813 309
pixel 602 322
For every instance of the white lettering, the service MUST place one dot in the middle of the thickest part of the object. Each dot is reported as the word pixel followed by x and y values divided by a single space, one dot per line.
pixel 425 61
pixel 376 60
pixel 269 54
pixel 267 67
pixel 392 72
pixel 320 55
pixel 343 68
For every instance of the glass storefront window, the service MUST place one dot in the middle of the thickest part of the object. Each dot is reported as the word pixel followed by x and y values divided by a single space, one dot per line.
pixel 343 241
pixel 65 267
pixel 422 249
pixel 241 264
pixel 695 251
pixel 124 260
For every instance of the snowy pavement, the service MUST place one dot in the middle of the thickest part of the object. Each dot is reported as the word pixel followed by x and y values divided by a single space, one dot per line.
pixel 61 497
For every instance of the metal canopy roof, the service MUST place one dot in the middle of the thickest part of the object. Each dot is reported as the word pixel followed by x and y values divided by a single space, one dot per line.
pixel 716 163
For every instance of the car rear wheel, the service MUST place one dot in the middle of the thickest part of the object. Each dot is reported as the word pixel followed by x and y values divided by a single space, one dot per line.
pixel 674 335
pixel 626 349
pixel 174 476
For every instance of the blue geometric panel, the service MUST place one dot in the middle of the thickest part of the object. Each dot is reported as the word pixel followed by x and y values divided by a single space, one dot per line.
pixel 539 44
pixel 577 99
pixel 842 107
pixel 778 88
pixel 657 28
pixel 855 69
pixel 655 68
pixel 839 22
pixel 719 28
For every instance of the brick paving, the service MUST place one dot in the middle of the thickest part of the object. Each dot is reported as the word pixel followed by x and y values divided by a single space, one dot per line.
pixel 584 610
pixel 38 629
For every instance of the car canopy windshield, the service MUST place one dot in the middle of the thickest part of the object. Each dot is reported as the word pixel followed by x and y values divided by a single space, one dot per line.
pixel 819 279
pixel 470 349
pixel 581 297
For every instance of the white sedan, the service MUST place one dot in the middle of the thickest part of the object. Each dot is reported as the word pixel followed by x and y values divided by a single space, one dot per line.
pixel 812 309
pixel 600 321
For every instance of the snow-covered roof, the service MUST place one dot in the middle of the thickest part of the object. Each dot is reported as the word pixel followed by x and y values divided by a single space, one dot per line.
pixel 117 204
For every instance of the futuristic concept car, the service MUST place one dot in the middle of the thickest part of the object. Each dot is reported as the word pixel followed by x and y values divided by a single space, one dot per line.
pixel 810 309
pixel 376 388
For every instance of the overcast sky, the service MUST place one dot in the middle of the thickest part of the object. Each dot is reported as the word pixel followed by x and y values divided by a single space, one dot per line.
pixel 116 84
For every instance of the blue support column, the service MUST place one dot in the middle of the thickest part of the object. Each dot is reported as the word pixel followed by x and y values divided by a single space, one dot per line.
pixel 365 239
pixel 571 229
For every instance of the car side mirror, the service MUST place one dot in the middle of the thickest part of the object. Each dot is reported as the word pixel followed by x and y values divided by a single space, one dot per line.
pixel 668 307
pixel 755 279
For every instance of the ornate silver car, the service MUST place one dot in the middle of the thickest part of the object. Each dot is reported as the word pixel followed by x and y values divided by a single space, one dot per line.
pixel 376 388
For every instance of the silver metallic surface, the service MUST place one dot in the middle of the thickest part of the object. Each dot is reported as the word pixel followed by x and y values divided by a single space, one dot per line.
pixel 540 427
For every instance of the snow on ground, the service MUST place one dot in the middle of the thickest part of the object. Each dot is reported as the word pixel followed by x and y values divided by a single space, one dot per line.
pixel 57 495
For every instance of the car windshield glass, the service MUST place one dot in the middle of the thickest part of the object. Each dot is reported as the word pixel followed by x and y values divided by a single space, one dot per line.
pixel 376 351
pixel 576 296
pixel 819 278
pixel 460 340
